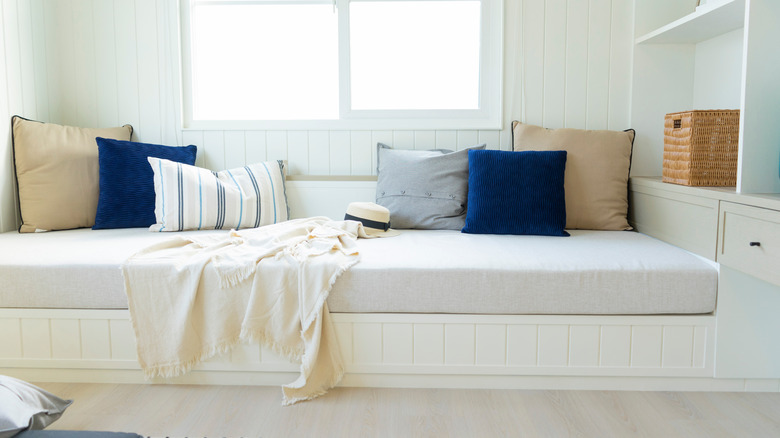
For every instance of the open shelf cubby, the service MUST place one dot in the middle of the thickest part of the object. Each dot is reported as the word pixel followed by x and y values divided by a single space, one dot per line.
pixel 721 55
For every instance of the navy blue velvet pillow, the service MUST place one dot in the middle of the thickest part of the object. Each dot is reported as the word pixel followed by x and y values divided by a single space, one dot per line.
pixel 516 193
pixel 127 181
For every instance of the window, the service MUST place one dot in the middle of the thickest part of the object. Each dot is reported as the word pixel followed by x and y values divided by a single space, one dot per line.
pixel 348 64
pixel 405 55
pixel 264 62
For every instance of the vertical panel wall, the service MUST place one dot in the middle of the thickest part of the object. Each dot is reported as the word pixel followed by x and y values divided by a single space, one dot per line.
pixel 759 131
pixel 99 63
pixel 6 181
pixel 23 87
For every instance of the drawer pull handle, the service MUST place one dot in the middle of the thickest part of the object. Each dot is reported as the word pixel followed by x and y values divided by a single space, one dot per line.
pixel 755 243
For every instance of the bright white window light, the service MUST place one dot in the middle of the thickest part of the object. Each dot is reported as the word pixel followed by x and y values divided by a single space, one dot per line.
pixel 264 61
pixel 341 64
pixel 418 55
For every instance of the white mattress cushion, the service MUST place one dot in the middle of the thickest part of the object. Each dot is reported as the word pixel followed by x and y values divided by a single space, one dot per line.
pixel 70 269
pixel 420 271
pixel 591 272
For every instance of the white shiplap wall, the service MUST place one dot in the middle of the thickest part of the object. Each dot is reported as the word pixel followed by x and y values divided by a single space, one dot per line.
pixel 6 181
pixel 19 90
pixel 101 63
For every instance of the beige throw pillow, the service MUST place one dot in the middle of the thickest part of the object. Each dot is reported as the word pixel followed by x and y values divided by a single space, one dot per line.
pixel 57 173
pixel 596 178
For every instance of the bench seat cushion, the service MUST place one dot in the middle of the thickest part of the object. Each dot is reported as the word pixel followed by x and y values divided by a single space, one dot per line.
pixel 420 271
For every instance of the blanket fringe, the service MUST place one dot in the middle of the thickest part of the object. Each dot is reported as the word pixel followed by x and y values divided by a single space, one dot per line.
pixel 237 275
pixel 171 370
pixel 259 336
pixel 325 387
pixel 176 369
pixel 321 300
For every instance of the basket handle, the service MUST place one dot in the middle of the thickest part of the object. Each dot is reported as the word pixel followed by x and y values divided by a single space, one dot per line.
pixel 677 123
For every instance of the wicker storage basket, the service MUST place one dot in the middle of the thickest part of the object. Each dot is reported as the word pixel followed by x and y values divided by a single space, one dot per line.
pixel 701 148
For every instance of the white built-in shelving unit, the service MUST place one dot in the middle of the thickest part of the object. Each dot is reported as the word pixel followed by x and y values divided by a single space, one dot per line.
pixel 721 55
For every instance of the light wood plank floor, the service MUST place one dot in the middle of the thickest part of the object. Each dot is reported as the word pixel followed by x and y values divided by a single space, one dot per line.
pixel 252 411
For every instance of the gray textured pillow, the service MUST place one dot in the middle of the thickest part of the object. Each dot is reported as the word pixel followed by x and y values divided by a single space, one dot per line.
pixel 24 406
pixel 423 189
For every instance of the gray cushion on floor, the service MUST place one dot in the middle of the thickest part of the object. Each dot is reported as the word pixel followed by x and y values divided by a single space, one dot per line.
pixel 24 406
pixel 75 434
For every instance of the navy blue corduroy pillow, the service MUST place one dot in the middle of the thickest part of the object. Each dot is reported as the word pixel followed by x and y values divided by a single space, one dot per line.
pixel 127 181
pixel 516 193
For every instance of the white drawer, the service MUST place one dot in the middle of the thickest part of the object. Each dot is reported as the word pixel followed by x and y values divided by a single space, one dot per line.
pixel 750 240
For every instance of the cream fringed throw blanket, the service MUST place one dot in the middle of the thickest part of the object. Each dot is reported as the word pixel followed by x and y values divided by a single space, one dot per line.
pixel 194 297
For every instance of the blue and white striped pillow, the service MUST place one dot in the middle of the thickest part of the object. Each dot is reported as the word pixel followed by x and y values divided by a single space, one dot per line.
pixel 193 198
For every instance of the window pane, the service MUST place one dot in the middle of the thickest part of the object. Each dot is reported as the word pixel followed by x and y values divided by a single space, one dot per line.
pixel 415 55
pixel 265 62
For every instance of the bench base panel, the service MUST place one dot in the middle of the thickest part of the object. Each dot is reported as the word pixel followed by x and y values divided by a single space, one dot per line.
pixel 399 350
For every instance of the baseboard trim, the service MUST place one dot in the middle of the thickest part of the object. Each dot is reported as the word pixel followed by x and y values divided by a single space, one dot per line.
pixel 580 383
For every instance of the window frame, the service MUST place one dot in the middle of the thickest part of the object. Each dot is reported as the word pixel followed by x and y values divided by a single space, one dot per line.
pixel 487 116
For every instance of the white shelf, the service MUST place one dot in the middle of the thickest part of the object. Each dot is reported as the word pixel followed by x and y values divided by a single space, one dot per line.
pixel 762 200
pixel 707 22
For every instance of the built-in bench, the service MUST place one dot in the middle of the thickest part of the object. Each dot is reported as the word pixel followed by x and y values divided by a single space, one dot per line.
pixel 426 308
